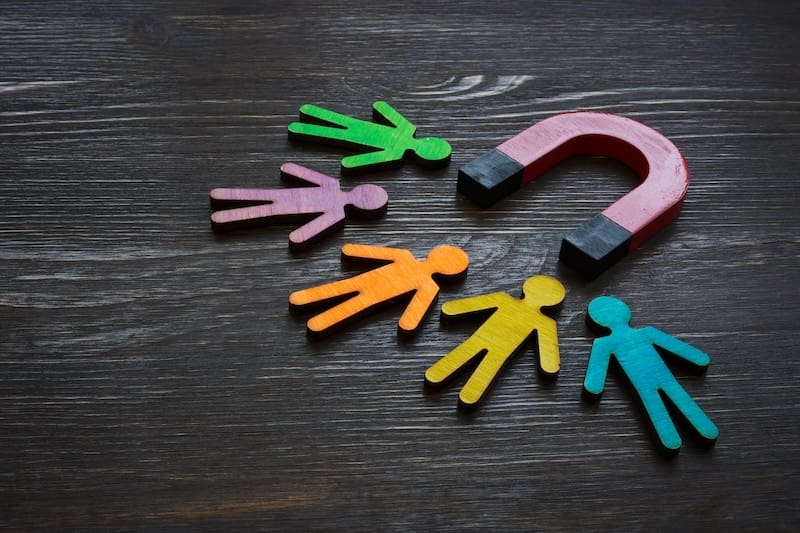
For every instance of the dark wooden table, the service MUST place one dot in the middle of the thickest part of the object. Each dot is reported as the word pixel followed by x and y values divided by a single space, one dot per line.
pixel 152 377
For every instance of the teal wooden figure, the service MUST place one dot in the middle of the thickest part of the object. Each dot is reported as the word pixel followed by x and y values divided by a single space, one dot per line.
pixel 636 351
pixel 388 139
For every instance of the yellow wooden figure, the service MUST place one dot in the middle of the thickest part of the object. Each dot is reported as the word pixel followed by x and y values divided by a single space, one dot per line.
pixel 503 334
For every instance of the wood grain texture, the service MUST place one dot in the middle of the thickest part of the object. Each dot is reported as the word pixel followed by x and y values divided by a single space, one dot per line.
pixel 153 378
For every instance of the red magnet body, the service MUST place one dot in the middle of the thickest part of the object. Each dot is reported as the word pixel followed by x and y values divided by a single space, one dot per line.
pixel 607 237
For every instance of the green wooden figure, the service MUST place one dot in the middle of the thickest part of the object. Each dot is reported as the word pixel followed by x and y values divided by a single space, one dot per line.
pixel 636 351
pixel 390 137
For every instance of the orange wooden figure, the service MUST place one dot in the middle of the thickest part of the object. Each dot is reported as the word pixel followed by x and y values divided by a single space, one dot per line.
pixel 402 276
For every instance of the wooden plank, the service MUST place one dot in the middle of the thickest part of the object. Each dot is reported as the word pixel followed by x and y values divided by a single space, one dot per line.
pixel 154 379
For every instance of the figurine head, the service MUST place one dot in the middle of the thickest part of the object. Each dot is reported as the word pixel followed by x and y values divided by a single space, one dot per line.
pixel 368 198
pixel 607 312
pixel 543 291
pixel 448 261
pixel 432 149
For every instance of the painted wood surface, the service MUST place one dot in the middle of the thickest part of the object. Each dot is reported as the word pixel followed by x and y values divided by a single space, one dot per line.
pixel 403 275
pixel 637 352
pixel 511 324
pixel 391 137
pixel 153 379
pixel 622 226
pixel 325 202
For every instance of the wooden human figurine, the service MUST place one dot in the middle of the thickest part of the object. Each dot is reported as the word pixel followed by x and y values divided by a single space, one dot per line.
pixel 636 351
pixel 510 325
pixel 387 140
pixel 326 202
pixel 403 275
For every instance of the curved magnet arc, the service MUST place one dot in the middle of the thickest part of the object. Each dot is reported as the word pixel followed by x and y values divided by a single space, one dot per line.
pixel 621 227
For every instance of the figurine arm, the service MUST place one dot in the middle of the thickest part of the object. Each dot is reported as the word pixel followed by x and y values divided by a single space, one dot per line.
pixel 221 198
pixel 378 253
pixel 418 307
pixel 547 345
pixel 293 170
pixel 317 113
pixel 596 372
pixel 383 111
pixel 677 347
pixel 473 304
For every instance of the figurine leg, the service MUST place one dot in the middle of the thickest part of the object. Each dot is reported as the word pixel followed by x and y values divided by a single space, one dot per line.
pixel 451 364
pixel 482 378
pixel 229 218
pixel 320 293
pixel 693 413
pixel 661 421
pixel 338 315
pixel 321 133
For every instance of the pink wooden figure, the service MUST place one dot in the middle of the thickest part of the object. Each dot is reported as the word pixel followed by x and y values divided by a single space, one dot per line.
pixel 326 200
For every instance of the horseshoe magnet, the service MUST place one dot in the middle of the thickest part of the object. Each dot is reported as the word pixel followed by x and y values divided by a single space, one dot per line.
pixel 623 226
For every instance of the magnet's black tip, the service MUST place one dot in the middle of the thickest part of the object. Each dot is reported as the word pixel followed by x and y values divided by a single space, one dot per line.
pixel 594 246
pixel 489 178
